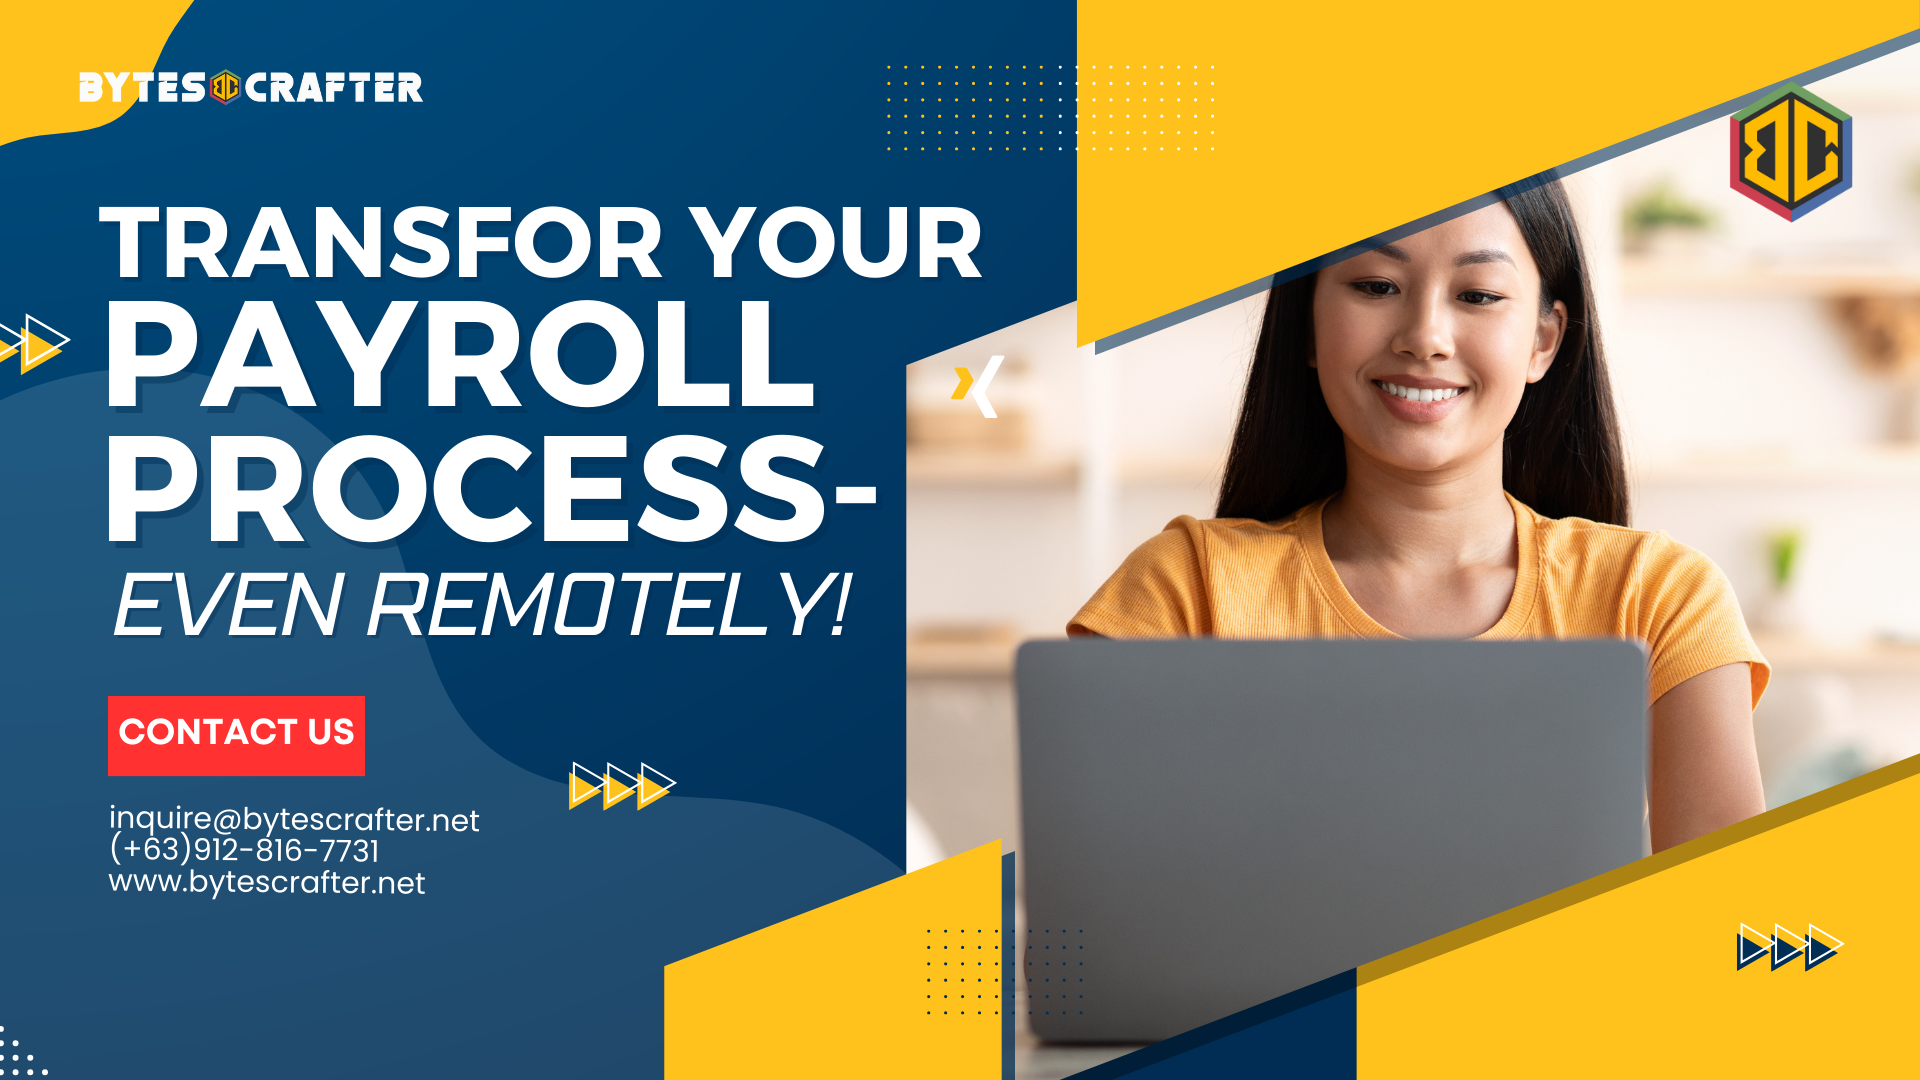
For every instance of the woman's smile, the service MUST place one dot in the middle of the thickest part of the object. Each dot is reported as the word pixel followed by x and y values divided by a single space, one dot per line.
pixel 1419 400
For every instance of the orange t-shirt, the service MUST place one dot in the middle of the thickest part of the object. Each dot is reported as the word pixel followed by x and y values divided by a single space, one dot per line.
pixel 1240 578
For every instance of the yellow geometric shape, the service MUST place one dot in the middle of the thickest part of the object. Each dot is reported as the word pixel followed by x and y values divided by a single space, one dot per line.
pixel 39 349
pixel 1812 171
pixel 649 788
pixel 579 791
pixel 38 352
pixel 1664 1003
pixel 55 42
pixel 613 791
pixel 1285 134
pixel 904 979
pixel 966 383
pixel 1778 121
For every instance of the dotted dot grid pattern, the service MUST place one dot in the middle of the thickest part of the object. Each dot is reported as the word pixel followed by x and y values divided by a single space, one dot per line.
pixel 965 973
pixel 973 108
pixel 14 1061
pixel 1053 973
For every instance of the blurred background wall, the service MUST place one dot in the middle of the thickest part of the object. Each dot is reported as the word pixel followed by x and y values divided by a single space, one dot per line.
pixel 1766 378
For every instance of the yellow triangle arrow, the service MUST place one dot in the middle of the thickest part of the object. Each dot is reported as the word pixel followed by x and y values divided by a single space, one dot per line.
pixel 579 791
pixel 38 352
pixel 38 349
pixel 612 792
pixel 649 791
pixel 966 383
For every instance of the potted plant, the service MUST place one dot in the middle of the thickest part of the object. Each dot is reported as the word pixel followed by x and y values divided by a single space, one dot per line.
pixel 1660 224
pixel 1780 613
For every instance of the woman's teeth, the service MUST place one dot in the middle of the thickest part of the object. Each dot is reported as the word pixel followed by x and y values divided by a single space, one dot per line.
pixel 1411 394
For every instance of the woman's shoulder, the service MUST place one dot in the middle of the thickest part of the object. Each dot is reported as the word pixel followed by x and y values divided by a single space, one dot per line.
pixel 1238 530
pixel 1165 587
pixel 1214 545
pixel 1188 538
pixel 1601 579
pixel 1581 543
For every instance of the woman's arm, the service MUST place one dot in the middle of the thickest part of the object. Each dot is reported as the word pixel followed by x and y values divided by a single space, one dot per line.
pixel 1702 773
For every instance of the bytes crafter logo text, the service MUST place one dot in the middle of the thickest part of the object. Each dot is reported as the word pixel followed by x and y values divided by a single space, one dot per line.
pixel 327 87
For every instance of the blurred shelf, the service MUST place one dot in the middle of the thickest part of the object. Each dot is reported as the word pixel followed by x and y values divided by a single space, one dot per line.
pixel 1865 464
pixel 973 649
pixel 1172 470
pixel 977 468
pixel 1793 654
pixel 990 655
pixel 1738 280
pixel 953 468
pixel 950 660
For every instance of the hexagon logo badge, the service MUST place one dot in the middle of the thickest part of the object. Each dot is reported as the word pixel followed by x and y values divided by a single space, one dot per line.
pixel 224 87
pixel 1791 152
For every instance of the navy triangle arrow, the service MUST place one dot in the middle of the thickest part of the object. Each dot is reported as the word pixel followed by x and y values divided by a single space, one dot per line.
pixel 1781 954
pixel 1747 952
pixel 1817 952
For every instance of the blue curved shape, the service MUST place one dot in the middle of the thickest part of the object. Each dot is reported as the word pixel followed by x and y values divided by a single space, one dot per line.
pixel 587 105
pixel 539 937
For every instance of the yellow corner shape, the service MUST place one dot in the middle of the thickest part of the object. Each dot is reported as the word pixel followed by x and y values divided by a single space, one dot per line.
pixel 1221 142
pixel 903 979
pixel 1640 979
pixel 54 43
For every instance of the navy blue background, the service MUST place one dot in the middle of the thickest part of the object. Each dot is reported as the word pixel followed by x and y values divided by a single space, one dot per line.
pixel 540 939
pixel 1309 1034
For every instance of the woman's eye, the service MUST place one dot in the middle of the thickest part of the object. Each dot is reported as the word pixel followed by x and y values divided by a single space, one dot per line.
pixel 1375 288
pixel 1480 299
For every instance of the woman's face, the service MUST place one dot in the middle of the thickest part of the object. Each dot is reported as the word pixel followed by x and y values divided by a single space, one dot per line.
pixel 1424 346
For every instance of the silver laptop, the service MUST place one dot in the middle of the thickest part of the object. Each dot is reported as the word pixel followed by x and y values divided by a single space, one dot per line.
pixel 1210 824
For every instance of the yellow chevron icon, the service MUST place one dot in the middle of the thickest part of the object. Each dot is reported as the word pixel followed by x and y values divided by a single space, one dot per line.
pixel 649 790
pixel 976 388
pixel 615 790
pixel 35 341
pixel 616 784
pixel 582 785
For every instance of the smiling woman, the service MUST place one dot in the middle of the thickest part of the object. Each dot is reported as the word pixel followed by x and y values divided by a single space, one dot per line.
pixel 1427 448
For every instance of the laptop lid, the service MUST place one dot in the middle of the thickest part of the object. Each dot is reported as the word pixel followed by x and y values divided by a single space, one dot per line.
pixel 1209 824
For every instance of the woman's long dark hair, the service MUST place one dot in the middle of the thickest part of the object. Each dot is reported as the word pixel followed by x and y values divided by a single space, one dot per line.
pixel 1562 455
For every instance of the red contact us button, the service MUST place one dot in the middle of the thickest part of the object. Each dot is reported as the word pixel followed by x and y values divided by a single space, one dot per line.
pixel 236 736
